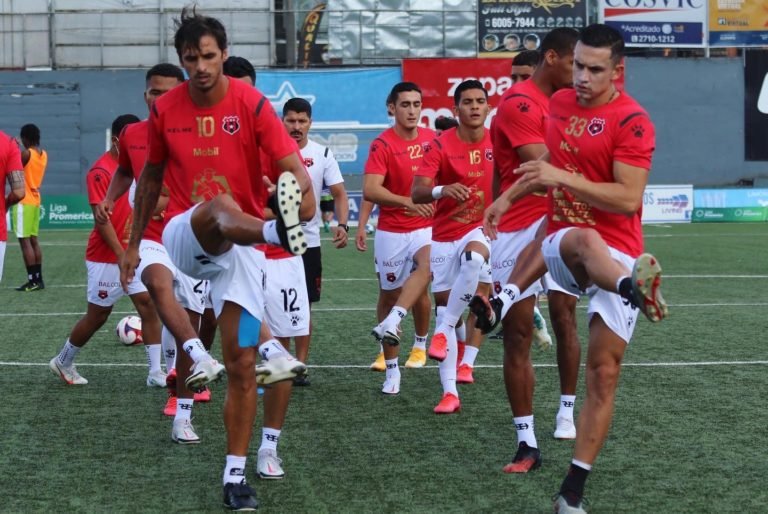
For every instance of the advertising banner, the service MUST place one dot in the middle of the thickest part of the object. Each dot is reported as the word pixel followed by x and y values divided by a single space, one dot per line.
pixel 730 198
pixel 348 106
pixel 71 211
pixel 438 79
pixel 667 204
pixel 667 23
pixel 505 27
pixel 731 214
pixel 756 105
pixel 355 200
pixel 738 23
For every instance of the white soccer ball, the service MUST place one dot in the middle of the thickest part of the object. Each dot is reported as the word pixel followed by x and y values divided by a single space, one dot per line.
pixel 369 229
pixel 129 330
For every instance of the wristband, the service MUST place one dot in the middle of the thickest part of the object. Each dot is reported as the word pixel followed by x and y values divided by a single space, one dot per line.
pixel 437 192
pixel 345 227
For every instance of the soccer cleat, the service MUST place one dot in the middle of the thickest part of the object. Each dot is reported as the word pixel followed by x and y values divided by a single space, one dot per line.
pixel 172 404
pixel 24 286
pixel 183 432
pixel 526 459
pixel 487 312
pixel 461 347
pixel 379 364
pixel 170 379
pixel 288 201
pixel 68 374
pixel 562 506
pixel 156 379
pixel 240 497
pixel 646 287
pixel 391 386
pixel 438 347
pixel 464 375
pixel 540 333
pixel 278 369
pixel 448 404
pixel 417 358
pixel 387 336
pixel 203 396
pixel 269 465
pixel 31 286
pixel 301 381
pixel 564 428
pixel 203 373
pixel 499 336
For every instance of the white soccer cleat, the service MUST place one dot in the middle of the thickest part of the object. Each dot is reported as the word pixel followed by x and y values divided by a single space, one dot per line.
pixel 561 506
pixel 269 466
pixel 183 432
pixel 288 201
pixel 203 373
pixel 279 368
pixel 564 428
pixel 156 379
pixel 68 374
pixel 540 333
pixel 387 335
pixel 391 386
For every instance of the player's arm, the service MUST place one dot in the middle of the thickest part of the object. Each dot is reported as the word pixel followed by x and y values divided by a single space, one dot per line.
pixel 16 182
pixel 147 193
pixel 623 196
pixel 294 164
pixel 108 234
pixel 374 191
pixel 366 207
pixel 118 186
pixel 25 156
pixel 341 206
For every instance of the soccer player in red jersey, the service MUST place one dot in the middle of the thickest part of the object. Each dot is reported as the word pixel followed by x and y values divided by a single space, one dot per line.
pixel 518 133
pixel 457 171
pixel 404 231
pixel 105 246
pixel 600 143
pixel 13 172
pixel 205 139
pixel 178 298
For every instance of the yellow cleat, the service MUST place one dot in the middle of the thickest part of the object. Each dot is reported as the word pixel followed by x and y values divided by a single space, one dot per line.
pixel 379 364
pixel 417 358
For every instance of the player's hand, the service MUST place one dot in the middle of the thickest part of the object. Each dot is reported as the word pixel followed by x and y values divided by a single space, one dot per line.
pixel 540 174
pixel 457 191
pixel 340 237
pixel 269 185
pixel 360 240
pixel 425 210
pixel 103 211
pixel 493 215
pixel 129 261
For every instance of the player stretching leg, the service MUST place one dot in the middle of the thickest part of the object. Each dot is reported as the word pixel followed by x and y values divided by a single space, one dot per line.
pixel 457 171
pixel 105 246
pixel 404 230
pixel 212 166
pixel 600 145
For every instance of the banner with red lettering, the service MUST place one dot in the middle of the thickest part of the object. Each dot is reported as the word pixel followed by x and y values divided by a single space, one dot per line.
pixel 438 79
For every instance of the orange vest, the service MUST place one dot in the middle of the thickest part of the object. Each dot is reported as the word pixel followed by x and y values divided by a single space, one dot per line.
pixel 33 176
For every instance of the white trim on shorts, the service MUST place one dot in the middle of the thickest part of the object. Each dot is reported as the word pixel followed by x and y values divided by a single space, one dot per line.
pixel 104 287
pixel 394 252
pixel 444 258
pixel 287 303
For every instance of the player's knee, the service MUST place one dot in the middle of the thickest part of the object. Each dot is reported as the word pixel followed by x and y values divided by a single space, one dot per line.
pixel 240 367
pixel 602 380
pixel 471 262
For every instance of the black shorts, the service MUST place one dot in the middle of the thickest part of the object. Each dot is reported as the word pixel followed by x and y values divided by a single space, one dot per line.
pixel 327 205
pixel 313 271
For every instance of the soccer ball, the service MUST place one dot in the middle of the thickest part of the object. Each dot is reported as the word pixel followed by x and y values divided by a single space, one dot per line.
pixel 369 229
pixel 129 330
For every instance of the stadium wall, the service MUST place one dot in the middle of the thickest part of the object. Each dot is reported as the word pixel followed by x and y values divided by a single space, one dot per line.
pixel 697 105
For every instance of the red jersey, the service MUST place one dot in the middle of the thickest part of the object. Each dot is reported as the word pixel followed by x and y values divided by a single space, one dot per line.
pixel 449 160
pixel 133 155
pixel 210 151
pixel 521 119
pixel 97 180
pixel 10 160
pixel 588 141
pixel 398 160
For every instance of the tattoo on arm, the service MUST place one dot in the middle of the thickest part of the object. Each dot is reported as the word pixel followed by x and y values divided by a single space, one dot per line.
pixel 147 193
pixel 16 180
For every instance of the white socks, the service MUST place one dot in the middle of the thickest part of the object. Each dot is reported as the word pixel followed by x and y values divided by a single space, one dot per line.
pixel 420 342
pixel 393 319
pixel 566 406
pixel 461 332
pixel 448 366
pixel 470 354
pixel 271 349
pixel 463 287
pixel 234 470
pixel 269 231
pixel 153 357
pixel 269 438
pixel 196 350
pixel 168 344
pixel 67 354
pixel 184 408
pixel 524 427
pixel 508 295
pixel 393 370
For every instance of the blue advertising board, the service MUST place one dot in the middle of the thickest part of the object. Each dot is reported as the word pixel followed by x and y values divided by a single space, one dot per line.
pixel 355 201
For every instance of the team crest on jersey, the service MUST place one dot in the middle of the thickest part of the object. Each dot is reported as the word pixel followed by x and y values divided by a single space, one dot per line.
pixel 638 130
pixel 596 126
pixel 230 124
pixel 207 185
pixel 425 146
pixel 309 162
pixel 488 154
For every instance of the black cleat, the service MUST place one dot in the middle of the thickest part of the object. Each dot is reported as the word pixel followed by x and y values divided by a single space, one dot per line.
pixel 288 201
pixel 31 286
pixel 240 497
pixel 301 381
pixel 526 459
pixel 487 312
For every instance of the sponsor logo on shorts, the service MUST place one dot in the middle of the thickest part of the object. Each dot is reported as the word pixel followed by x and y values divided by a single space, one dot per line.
pixel 437 260
pixel 295 319
pixel 393 264
pixel 508 263
pixel 109 284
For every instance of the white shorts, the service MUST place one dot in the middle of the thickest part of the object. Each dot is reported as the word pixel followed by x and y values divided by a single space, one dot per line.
pixel 2 257
pixel 104 284
pixel 236 276
pixel 394 252
pixel 617 313
pixel 189 292
pixel 444 259
pixel 287 310
pixel 504 253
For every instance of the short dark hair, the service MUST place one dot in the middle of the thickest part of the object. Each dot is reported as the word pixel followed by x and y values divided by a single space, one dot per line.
pixel 191 27
pixel 297 105
pixel 121 121
pixel 165 69
pixel 401 87
pixel 599 35
pixel 30 133
pixel 526 58
pixel 561 40
pixel 466 86
pixel 239 67
pixel 445 123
